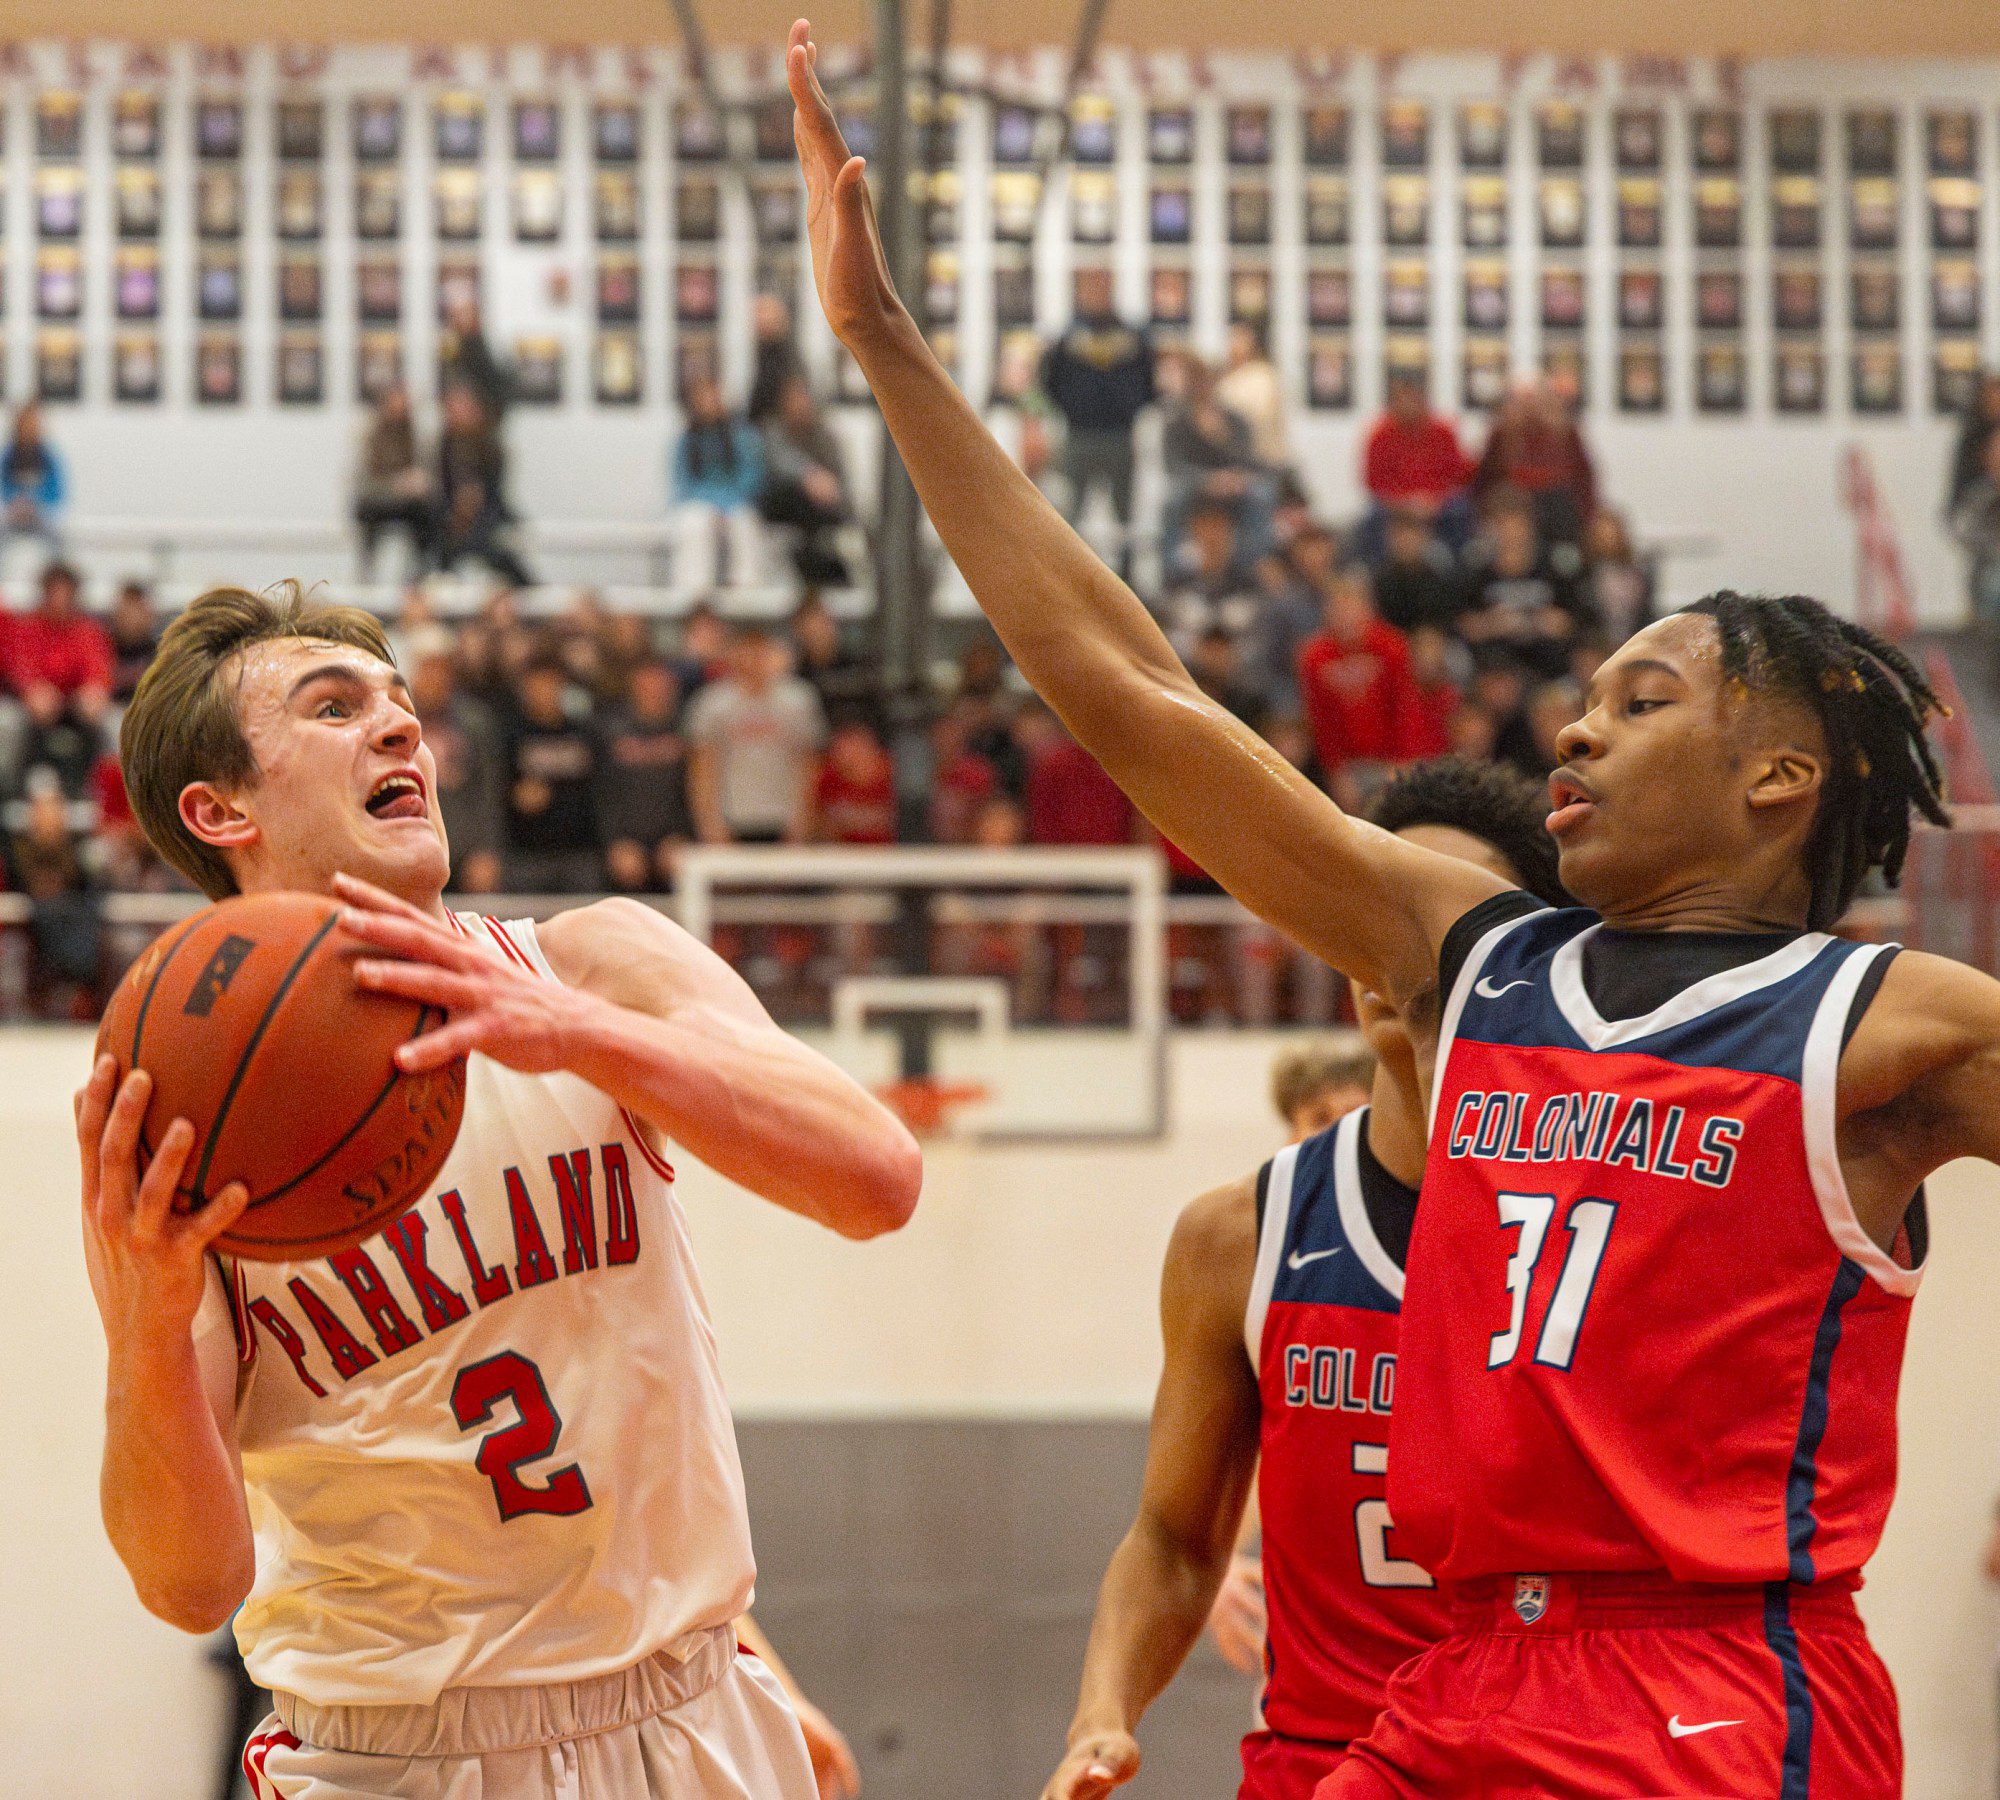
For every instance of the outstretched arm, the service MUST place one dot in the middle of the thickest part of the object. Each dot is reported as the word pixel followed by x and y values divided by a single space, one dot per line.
pixel 1374 908
pixel 655 1019
pixel 1200 1459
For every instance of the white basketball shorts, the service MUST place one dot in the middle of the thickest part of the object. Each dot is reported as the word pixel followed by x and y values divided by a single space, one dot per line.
pixel 716 1727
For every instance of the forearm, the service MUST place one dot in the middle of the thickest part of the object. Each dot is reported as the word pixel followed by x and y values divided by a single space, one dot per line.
pixel 760 1108
pixel 171 1490
pixel 1155 1599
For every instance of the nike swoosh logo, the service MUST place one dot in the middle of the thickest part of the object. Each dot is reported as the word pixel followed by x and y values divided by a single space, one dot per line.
pixel 1296 1261
pixel 1487 991
pixel 1675 1729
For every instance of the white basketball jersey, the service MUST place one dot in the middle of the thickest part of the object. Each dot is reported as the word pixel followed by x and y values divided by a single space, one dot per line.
pixel 490 1446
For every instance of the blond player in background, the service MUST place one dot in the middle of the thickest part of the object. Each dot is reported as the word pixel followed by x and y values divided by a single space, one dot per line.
pixel 474 1484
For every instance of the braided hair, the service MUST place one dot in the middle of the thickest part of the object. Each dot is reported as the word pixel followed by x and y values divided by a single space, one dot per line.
pixel 1486 800
pixel 1872 702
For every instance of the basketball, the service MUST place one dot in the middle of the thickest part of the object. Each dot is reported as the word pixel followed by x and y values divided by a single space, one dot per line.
pixel 249 1021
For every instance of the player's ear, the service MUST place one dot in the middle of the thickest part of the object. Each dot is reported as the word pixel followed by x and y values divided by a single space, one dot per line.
pixel 215 817
pixel 1789 774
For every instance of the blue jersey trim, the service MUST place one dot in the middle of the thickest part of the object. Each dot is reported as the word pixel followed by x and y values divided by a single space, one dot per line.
pixel 1795 1772
pixel 1801 1488
pixel 1331 1269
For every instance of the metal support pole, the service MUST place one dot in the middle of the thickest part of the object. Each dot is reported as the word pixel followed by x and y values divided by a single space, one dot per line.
pixel 900 597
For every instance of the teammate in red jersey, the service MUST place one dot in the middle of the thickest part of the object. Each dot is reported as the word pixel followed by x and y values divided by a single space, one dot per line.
pixel 1739 770
pixel 1279 1305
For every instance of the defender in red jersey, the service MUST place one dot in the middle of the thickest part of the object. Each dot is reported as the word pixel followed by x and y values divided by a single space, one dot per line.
pixel 1280 1303
pixel 1741 768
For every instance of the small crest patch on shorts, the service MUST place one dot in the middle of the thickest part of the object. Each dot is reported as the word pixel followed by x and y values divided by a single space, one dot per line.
pixel 1531 1597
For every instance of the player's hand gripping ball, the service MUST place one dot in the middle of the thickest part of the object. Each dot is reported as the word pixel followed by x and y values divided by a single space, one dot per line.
pixel 251 1024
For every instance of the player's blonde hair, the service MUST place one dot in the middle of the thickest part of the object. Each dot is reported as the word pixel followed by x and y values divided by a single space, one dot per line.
pixel 182 725
pixel 1302 1075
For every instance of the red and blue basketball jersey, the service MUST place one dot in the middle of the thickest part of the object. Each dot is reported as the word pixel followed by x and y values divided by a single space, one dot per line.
pixel 1346 1606
pixel 1646 1330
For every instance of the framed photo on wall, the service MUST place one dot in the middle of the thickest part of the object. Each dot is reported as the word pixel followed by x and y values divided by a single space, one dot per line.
pixel 1871 144
pixel 1017 199
pixel 1642 377
pixel 1406 210
pixel 301 289
pixel 1875 296
pixel 1324 127
pixel 1799 378
pixel 1637 139
pixel 59 202
pixel 1560 127
pixel 1641 299
pixel 1795 212
pixel 59 364
pixel 301 130
pixel 1794 140
pixel 1954 294
pixel 1874 213
pixel 1954 212
pixel 1406 295
pixel 941 287
pixel 1250 296
pixel 219 285
pixel 1562 297
pixel 538 371
pixel 1327 215
pixel 537 131
pixel 300 205
pixel 617 290
pixel 218 369
pixel 135 125
pixel 135 282
pixel 1795 297
pixel 776 209
pixel 301 368
pixel 1170 135
pixel 697 210
pixel 1483 374
pixel 1561 212
pixel 135 367
pixel 1482 202
pixel 1093 131
pixel 1170 213
pixel 378 364
pixel 1016 132
pixel 1954 375
pixel 59 126
pixel 458 128
pixel 615 193
pixel 1249 218
pixel 1721 383
pixel 1485 281
pixel 458 284
pixel 1640 212
pixel 378 205
pixel 1718 300
pixel 377 121
pixel 1329 298
pixel 1093 207
pixel 697 294
pixel 58 282
pixel 1247 135
pixel 538 209
pixel 614 131
pixel 1406 134
pixel 378 290
pixel 1171 294
pixel 1329 374
pixel 1951 142
pixel 1482 135
pixel 1013 292
pixel 615 368
pixel 218 128
pixel 218 203
pixel 455 198
pixel 1876 375
pixel 135 202
pixel 1718 213
pixel 1717 139
pixel 1566 369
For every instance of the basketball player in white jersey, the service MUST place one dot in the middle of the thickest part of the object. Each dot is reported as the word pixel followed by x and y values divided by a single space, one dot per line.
pixel 473 1484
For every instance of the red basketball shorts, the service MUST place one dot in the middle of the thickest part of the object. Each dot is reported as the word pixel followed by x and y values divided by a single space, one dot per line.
pixel 1285 1768
pixel 1636 1688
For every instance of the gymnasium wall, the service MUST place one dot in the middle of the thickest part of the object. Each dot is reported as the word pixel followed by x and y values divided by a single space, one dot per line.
pixel 942 1431
pixel 1748 497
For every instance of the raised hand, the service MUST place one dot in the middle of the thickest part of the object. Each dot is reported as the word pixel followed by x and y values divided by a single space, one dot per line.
pixel 855 289
pixel 1093 1766
pixel 496 1008
pixel 144 1257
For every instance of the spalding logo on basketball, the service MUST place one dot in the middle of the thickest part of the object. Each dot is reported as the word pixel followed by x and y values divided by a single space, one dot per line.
pixel 248 1019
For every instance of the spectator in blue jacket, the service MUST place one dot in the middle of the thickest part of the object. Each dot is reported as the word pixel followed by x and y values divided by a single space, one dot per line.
pixel 31 482
pixel 718 476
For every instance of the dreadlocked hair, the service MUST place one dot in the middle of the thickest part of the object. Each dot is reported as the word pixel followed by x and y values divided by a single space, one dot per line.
pixel 1485 800
pixel 1872 702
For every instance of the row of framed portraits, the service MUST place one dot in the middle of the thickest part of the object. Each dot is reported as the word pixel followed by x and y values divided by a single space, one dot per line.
pixel 299 128
pixel 1721 384
pixel 299 376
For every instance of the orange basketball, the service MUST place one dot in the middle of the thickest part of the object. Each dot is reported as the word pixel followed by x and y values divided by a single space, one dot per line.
pixel 249 1021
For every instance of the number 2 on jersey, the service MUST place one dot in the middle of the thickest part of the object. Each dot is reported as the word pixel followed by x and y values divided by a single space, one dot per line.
pixel 480 1387
pixel 1589 1228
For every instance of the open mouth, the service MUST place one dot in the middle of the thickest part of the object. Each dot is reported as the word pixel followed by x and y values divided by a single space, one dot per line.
pixel 1571 801
pixel 398 796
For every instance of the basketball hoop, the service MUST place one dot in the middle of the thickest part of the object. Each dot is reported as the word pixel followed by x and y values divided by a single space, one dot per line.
pixel 926 1104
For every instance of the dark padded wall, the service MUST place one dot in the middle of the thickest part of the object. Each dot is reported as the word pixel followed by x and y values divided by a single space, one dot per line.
pixel 931 1581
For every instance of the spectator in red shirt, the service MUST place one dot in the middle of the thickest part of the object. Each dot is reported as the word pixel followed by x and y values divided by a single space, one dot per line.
pixel 1070 798
pixel 854 797
pixel 1413 461
pixel 1535 446
pixel 1437 694
pixel 1360 697
pixel 962 781
pixel 58 657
